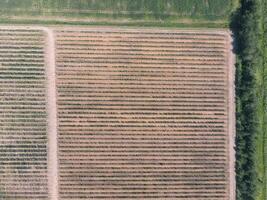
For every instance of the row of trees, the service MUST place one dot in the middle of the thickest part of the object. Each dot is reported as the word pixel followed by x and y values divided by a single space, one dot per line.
pixel 247 32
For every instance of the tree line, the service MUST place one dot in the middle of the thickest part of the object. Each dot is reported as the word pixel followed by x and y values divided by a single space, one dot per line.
pixel 245 25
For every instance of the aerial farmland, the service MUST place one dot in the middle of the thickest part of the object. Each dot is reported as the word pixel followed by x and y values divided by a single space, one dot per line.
pixel 123 99
pixel 116 113
pixel 23 138
pixel 144 114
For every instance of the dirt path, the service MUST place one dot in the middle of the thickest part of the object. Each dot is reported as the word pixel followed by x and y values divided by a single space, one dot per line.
pixel 231 119
pixel 103 20
pixel 52 114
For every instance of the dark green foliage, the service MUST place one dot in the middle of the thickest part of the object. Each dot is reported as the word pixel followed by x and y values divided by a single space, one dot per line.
pixel 245 26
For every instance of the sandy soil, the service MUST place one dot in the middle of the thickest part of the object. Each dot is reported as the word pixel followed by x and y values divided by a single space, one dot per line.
pixel 232 120
pixel 229 69
pixel 52 114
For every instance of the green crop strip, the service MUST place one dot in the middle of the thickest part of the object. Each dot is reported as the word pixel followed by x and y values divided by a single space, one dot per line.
pixel 175 13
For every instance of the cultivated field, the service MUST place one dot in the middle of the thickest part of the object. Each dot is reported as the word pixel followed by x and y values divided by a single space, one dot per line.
pixel 145 12
pixel 23 139
pixel 145 114
pixel 116 113
pixel 127 8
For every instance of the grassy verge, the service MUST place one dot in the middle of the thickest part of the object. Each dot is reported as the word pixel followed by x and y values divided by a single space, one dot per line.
pixel 261 81
pixel 185 24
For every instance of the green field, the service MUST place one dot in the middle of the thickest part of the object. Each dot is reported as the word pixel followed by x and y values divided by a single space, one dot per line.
pixel 261 81
pixel 137 12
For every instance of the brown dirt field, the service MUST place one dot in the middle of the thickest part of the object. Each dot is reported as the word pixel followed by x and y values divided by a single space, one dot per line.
pixel 133 113
pixel 115 117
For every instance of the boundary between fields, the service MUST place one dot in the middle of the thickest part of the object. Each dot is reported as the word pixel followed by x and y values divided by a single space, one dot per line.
pixel 231 118
pixel 50 65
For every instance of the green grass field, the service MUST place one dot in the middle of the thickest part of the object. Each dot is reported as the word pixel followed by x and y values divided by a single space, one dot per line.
pixel 169 12
pixel 261 81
